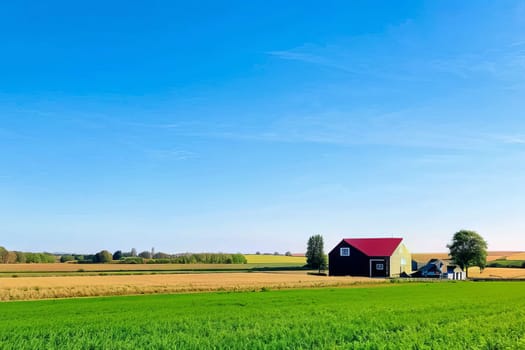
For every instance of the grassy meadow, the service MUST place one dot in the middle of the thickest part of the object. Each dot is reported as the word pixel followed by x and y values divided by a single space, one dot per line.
pixel 468 315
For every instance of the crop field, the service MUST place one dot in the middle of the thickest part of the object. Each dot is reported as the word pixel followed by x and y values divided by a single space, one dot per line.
pixel 497 272
pixel 276 259
pixel 65 269
pixel 424 257
pixel 468 315
pixel 26 288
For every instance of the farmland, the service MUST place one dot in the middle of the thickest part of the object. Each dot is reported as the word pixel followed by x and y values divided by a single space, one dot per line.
pixel 277 259
pixel 25 288
pixel 480 315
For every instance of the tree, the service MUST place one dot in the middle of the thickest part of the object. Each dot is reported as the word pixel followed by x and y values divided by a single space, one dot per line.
pixel 4 255
pixel 315 256
pixel 117 255
pixel 288 253
pixel 103 257
pixel 468 248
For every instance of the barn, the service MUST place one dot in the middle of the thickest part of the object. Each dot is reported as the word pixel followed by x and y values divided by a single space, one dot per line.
pixel 370 257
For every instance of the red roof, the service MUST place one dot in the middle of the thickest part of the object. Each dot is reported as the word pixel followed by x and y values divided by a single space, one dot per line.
pixel 375 246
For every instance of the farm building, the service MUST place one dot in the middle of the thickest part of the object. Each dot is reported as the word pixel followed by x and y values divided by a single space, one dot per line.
pixel 369 257
pixel 437 268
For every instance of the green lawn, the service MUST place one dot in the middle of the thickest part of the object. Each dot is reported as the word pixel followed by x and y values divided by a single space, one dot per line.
pixel 469 315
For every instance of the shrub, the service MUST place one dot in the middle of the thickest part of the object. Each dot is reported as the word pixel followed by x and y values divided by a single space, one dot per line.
pixel 66 258
pixel 132 260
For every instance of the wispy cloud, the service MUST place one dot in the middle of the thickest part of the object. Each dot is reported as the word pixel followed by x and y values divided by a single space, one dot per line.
pixel 171 154
pixel 418 128
pixel 511 139
pixel 402 52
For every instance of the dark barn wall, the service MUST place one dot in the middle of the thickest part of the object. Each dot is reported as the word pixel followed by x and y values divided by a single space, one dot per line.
pixel 357 264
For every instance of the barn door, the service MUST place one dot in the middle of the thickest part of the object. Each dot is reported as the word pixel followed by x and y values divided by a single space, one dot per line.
pixel 377 268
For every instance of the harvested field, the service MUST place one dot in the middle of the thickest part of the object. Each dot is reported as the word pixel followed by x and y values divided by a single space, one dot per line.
pixel 516 256
pixel 424 257
pixel 496 273
pixel 26 288
pixel 508 255
pixel 58 267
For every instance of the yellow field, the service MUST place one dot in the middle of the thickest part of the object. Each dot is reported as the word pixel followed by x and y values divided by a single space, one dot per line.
pixel 516 256
pixel 60 267
pixel 496 272
pixel 26 288
pixel 274 259
pixel 424 257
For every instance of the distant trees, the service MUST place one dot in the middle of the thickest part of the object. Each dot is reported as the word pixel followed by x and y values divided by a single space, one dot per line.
pixel 37 258
pixel 161 255
pixel 315 256
pixel 202 258
pixel 288 253
pixel 105 256
pixel 13 257
pixel 20 257
pixel 67 258
pixel 145 254
pixel 467 249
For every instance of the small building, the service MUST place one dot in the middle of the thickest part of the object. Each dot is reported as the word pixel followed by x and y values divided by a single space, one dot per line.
pixel 455 272
pixel 432 269
pixel 437 268
pixel 369 257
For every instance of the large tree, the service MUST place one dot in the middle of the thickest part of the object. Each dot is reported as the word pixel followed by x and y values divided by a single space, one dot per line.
pixel 315 256
pixel 103 257
pixel 468 248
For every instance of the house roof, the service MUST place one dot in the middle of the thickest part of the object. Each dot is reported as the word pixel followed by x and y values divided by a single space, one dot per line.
pixel 375 246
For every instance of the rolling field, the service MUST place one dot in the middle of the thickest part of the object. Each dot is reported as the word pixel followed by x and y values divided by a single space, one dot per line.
pixel 26 288
pixel 480 315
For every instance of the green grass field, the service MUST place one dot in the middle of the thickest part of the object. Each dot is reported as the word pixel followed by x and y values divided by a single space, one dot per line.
pixel 470 315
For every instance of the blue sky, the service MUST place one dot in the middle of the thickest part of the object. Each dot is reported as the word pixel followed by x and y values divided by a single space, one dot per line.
pixel 249 126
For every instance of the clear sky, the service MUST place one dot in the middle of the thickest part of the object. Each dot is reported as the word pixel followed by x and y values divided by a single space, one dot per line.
pixel 251 125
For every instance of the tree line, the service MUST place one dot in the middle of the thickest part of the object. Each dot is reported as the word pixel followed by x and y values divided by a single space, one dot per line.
pixel 104 256
pixel 131 257
pixel 14 257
